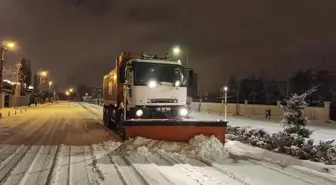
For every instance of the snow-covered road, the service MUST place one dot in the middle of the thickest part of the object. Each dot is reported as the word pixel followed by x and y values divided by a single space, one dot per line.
pixel 58 145
pixel 61 123
pixel 97 164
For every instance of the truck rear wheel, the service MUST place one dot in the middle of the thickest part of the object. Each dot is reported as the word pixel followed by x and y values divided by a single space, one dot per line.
pixel 106 116
pixel 120 119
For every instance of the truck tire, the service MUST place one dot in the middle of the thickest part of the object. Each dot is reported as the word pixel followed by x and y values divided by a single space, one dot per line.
pixel 106 116
pixel 120 125
pixel 120 119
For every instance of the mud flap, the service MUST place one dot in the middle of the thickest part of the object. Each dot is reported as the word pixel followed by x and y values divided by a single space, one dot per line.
pixel 173 130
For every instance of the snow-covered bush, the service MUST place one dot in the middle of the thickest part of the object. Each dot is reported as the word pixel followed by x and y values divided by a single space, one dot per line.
pixel 255 137
pixel 326 151
pixel 294 139
pixel 282 142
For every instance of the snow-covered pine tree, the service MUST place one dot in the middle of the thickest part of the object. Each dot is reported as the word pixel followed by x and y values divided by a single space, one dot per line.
pixel 294 121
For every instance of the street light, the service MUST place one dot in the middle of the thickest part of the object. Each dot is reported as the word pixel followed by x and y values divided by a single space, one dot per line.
pixel 176 50
pixel 50 95
pixel 71 90
pixel 9 45
pixel 44 73
pixel 225 99
pixel 6 45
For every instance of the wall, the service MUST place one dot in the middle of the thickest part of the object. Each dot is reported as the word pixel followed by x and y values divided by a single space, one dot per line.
pixel 2 101
pixel 20 101
pixel 319 114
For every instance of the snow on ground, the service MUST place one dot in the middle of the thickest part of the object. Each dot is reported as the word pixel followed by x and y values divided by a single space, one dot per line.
pixel 143 161
pixel 320 132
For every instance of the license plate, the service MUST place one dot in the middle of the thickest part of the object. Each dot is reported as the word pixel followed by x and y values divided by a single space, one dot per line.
pixel 163 109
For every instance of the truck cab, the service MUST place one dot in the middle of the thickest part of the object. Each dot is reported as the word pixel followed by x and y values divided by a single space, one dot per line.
pixel 154 89
pixel 145 87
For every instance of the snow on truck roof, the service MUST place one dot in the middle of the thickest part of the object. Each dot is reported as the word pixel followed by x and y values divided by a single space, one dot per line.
pixel 148 61
pixel 157 61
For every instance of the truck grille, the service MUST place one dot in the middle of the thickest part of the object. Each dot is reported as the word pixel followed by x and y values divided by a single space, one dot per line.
pixel 163 101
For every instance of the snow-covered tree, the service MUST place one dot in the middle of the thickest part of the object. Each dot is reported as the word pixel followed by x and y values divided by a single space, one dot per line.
pixel 294 139
pixel 294 121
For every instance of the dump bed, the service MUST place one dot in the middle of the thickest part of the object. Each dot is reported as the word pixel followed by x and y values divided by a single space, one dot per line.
pixel 111 88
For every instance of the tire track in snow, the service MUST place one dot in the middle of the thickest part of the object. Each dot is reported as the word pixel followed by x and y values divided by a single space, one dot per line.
pixel 202 173
pixel 99 118
pixel 2 147
pixel 146 170
pixel 55 168
pixel 23 169
pixel 108 168
pixel 303 176
pixel 11 161
pixel 325 177
pixel 63 172
pixel 41 169
pixel 94 174
pixel 127 172
pixel 171 171
pixel 256 173
pixel 78 175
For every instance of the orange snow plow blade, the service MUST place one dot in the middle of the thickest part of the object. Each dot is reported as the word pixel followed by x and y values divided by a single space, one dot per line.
pixel 173 130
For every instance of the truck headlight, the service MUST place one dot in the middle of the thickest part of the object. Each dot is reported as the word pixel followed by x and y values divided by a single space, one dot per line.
pixel 152 84
pixel 139 113
pixel 183 112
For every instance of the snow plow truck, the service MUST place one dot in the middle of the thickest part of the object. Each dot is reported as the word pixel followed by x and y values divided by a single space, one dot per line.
pixel 146 96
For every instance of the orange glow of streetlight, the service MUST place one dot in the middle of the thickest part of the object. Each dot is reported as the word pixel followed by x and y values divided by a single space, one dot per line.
pixel 43 73
pixel 9 44
pixel 50 83
pixel 67 93
pixel 71 90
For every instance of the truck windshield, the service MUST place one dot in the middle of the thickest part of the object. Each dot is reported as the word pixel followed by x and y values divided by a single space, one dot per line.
pixel 161 73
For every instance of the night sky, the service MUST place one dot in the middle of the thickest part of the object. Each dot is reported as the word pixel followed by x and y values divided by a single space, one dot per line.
pixel 78 40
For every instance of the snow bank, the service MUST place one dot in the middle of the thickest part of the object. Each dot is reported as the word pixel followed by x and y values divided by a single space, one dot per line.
pixel 104 148
pixel 284 161
pixel 283 142
pixel 199 146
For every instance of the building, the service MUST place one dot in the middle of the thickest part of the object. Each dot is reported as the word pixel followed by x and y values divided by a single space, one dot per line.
pixel 36 83
pixel 26 72
pixel 96 92
pixel 82 90
pixel 92 92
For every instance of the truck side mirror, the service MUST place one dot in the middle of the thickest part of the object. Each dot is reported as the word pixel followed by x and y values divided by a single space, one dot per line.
pixel 188 75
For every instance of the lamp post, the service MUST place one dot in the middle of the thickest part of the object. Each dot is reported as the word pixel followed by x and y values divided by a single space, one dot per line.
pixel 42 74
pixel 6 45
pixel 17 85
pixel 225 101
pixel 50 83
pixel 67 93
